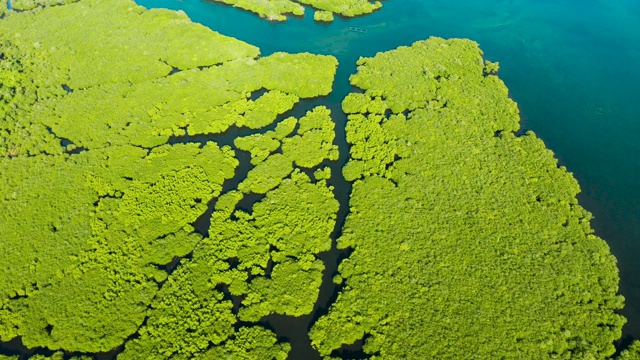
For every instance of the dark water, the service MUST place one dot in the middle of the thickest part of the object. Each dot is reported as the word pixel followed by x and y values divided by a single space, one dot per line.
pixel 573 66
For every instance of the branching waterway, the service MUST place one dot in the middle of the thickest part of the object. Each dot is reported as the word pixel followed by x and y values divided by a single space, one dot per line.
pixel 558 61
pixel 289 328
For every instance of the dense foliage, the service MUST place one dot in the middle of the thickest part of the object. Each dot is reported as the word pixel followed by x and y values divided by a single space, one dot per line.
pixel 348 8
pixel 631 353
pixel 22 5
pixel 276 10
pixel 323 16
pixel 312 145
pixel 468 241
pixel 56 356
pixel 97 203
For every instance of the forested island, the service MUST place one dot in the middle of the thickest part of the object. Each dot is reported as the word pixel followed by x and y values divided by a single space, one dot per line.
pixel 464 240
pixel 277 10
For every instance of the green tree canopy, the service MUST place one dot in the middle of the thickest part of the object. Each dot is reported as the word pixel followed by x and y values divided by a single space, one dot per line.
pixel 631 353
pixel 97 203
pixel 276 10
pixel 22 5
pixel 468 241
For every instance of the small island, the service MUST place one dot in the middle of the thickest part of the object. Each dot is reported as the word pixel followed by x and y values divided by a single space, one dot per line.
pixel 323 16
pixel 277 10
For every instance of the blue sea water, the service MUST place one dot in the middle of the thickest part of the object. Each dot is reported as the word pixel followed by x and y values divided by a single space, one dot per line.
pixel 573 67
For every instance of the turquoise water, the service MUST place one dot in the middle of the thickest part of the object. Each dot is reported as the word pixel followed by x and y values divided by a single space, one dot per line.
pixel 574 68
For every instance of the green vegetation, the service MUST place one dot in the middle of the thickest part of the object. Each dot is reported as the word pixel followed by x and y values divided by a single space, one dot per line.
pixel 267 175
pixel 323 16
pixel 96 203
pixel 56 356
pixel 146 114
pixel 631 353
pixel 312 145
pixel 491 68
pixel 166 34
pixel 276 10
pixel 348 8
pixel 322 174
pixel 136 102
pixel 3 7
pixel 468 240
pixel 273 10
pixel 32 4
pixel 274 245
pixel 119 67
pixel 261 145
pixel 248 344
pixel 99 224
pixel 288 227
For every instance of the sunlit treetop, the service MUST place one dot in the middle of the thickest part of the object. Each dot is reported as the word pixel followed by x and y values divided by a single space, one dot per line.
pixel 264 255
pixel 169 38
pixel 631 353
pixel 22 5
pixel 323 16
pixel 468 241
pixel 278 10
pixel 308 148
pixel 59 355
pixel 146 94
pixel 262 145
pixel 101 185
